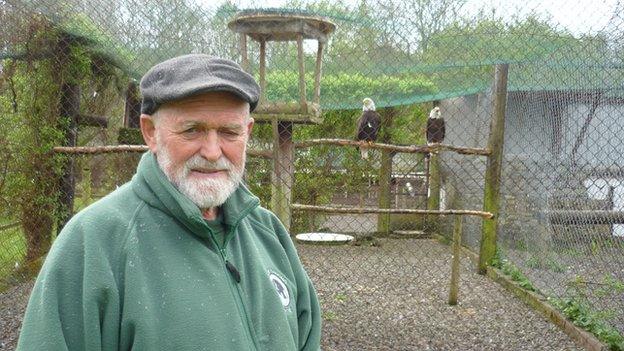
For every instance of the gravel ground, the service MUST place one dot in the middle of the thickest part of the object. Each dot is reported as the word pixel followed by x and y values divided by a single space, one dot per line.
pixel 392 296
pixel 12 306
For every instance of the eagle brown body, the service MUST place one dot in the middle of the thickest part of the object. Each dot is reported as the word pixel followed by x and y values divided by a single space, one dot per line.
pixel 367 126
pixel 436 128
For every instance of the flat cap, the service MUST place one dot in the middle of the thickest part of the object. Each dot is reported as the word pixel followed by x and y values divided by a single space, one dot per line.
pixel 184 76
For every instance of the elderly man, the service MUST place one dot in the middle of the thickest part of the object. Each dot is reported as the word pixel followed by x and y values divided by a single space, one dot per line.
pixel 182 257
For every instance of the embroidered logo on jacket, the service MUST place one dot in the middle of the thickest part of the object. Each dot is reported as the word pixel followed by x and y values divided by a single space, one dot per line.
pixel 280 288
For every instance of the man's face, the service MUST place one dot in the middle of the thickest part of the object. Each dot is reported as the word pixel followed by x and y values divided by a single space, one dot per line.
pixel 200 145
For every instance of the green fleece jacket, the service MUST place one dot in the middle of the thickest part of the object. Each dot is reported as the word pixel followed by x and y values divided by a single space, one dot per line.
pixel 142 270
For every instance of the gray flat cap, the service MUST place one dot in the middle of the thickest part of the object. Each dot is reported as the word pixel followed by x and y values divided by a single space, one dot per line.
pixel 188 75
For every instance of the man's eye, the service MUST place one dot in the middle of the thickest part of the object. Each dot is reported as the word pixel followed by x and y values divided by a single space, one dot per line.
pixel 229 132
pixel 190 131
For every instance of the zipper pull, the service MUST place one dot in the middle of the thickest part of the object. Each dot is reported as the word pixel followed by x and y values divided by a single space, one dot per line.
pixel 233 271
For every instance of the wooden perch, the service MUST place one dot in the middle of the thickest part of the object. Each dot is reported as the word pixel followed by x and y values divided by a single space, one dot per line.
pixel 9 225
pixel 362 210
pixel 424 149
pixel 92 121
pixel 132 148
pixel 580 217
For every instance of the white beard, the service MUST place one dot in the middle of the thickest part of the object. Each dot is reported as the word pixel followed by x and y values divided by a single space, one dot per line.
pixel 205 193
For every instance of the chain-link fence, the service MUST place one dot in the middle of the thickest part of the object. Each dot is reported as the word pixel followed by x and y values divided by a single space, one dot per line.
pixel 68 73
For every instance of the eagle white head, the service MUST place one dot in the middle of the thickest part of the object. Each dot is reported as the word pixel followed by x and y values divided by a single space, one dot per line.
pixel 435 113
pixel 369 105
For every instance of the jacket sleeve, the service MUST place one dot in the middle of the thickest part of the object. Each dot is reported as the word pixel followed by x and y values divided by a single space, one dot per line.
pixel 74 304
pixel 308 308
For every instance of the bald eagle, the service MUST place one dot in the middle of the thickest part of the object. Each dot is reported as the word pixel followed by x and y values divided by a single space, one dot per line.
pixel 435 127
pixel 367 125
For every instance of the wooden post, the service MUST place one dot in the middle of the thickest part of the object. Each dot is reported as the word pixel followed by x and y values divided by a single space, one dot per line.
pixel 494 165
pixel 132 113
pixel 455 263
pixel 283 171
pixel 385 171
pixel 302 84
pixel 262 71
pixel 433 196
pixel 69 108
pixel 243 50
pixel 318 73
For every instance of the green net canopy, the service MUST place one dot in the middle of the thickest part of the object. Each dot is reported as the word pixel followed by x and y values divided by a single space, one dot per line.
pixel 392 52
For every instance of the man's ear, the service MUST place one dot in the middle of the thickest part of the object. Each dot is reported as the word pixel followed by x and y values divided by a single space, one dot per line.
pixel 148 129
pixel 250 125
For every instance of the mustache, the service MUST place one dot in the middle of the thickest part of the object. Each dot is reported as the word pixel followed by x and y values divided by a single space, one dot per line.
pixel 198 162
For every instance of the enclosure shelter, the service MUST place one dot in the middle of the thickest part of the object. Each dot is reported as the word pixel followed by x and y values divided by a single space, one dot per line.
pixel 529 177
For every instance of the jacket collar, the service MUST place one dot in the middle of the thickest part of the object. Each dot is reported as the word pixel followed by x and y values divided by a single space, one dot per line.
pixel 153 187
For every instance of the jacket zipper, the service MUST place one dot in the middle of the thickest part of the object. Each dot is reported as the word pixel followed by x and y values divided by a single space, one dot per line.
pixel 233 272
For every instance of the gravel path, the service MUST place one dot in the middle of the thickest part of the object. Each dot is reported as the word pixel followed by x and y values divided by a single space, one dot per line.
pixel 392 296
pixel 12 306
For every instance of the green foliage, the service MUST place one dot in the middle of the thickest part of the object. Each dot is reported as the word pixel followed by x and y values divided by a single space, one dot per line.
pixel 130 136
pixel 579 311
pixel 548 262
pixel 346 90
pixel 512 271
pixel 30 103
pixel 329 315
pixel 341 297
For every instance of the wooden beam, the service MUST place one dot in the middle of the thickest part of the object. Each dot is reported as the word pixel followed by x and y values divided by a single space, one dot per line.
pixel 92 121
pixel 106 149
pixel 262 72
pixel 491 197
pixel 69 109
pixel 243 50
pixel 433 191
pixel 318 73
pixel 132 113
pixel 301 62
pixel 422 149
pixel 364 210
pixel 282 177
pixel 454 285
pixel 384 198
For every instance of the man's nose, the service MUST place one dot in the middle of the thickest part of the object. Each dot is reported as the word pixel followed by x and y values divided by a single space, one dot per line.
pixel 210 148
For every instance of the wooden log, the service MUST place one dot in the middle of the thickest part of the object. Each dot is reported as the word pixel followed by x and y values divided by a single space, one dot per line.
pixel 454 285
pixel 243 50
pixel 433 194
pixel 92 121
pixel 282 27
pixel 262 72
pixel 132 113
pixel 384 199
pixel 364 210
pixel 584 217
pixel 105 149
pixel 10 225
pixel 423 149
pixel 301 63
pixel 496 140
pixel 69 109
pixel 282 177
pixel 318 72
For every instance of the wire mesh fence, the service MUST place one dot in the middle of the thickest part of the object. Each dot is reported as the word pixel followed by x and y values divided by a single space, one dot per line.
pixel 68 77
